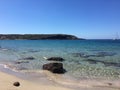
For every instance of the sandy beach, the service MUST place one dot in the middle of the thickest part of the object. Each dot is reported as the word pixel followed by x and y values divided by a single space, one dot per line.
pixel 7 80
pixel 6 83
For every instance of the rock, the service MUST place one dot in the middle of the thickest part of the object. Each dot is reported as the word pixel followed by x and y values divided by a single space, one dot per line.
pixel 98 54
pixel 21 68
pixel 109 84
pixel 103 54
pixel 32 51
pixel 91 61
pixel 19 62
pixel 82 55
pixel 16 84
pixel 28 58
pixel 111 64
pixel 55 59
pixel 54 68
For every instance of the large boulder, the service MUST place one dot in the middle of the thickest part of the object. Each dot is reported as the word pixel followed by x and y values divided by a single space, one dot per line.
pixel 55 59
pixel 54 68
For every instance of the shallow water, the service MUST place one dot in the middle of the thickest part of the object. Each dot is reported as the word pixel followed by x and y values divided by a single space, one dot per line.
pixel 84 59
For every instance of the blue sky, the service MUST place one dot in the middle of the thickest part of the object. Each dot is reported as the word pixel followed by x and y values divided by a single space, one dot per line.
pixel 84 18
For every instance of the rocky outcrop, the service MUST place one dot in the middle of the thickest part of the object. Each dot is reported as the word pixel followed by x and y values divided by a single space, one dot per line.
pixel 54 68
pixel 38 37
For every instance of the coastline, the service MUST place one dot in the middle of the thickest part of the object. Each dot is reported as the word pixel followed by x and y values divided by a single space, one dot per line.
pixel 6 83
pixel 8 78
pixel 82 74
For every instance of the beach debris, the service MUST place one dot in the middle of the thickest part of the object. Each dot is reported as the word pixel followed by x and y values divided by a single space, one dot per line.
pixel 16 84
pixel 54 59
pixel 54 68
pixel 28 58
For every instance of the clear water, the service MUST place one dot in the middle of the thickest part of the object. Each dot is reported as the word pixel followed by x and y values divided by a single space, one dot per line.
pixel 107 65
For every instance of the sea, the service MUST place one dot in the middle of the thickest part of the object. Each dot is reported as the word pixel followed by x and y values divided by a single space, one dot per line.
pixel 84 61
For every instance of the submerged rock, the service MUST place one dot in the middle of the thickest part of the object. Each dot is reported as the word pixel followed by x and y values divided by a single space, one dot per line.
pixel 98 54
pixel 82 55
pixel 33 51
pixel 92 61
pixel 103 54
pixel 54 68
pixel 28 58
pixel 21 68
pixel 16 84
pixel 55 59
pixel 111 64
pixel 19 62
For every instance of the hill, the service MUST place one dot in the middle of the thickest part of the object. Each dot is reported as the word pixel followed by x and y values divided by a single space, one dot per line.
pixel 38 37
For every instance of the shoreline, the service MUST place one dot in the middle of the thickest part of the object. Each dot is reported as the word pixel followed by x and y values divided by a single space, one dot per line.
pixel 7 81
pixel 53 82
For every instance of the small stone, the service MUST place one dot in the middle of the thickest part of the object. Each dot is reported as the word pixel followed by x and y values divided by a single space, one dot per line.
pixel 110 84
pixel 16 84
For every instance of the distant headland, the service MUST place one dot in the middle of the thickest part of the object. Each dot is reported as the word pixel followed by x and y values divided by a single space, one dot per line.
pixel 38 37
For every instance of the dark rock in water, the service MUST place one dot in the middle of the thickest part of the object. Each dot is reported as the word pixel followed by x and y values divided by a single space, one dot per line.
pixel 16 84
pixel 28 58
pixel 22 68
pixel 99 54
pixel 19 62
pixel 82 55
pixel 78 54
pixel 111 64
pixel 103 54
pixel 55 59
pixel 91 61
pixel 54 68
pixel 33 51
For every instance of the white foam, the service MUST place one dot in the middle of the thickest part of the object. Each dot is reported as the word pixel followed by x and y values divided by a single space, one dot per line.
pixel 10 67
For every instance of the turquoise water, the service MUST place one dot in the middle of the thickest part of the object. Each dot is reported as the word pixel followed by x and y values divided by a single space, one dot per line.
pixel 84 59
